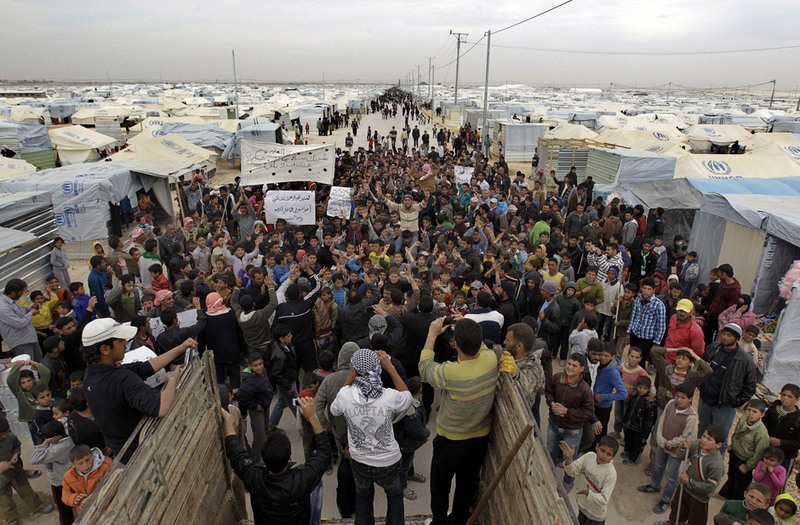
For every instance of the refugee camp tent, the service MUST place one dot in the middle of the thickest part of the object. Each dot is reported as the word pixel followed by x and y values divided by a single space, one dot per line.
pixel 168 148
pixel 261 132
pixel 13 168
pixel 76 144
pixel 84 195
pixel 88 116
pixel 703 136
pixel 785 123
pixel 784 362
pixel 612 165
pixel 735 167
pixel 570 131
pixel 679 199
pixel 30 141
pixel 203 135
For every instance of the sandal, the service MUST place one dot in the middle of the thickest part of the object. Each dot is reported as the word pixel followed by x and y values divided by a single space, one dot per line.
pixel 409 494
pixel 419 478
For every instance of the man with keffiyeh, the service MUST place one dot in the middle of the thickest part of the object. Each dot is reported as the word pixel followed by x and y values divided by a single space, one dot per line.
pixel 369 410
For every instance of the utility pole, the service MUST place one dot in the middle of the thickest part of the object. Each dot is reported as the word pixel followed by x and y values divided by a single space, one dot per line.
pixel 323 86
pixel 418 80
pixel 484 129
pixel 458 58
pixel 433 81
pixel 772 98
pixel 430 68
pixel 235 83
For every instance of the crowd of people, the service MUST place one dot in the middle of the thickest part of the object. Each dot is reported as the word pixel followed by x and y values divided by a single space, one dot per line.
pixel 355 323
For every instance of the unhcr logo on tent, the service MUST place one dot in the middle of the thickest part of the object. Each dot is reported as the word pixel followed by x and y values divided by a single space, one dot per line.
pixel 73 188
pixel 717 167
pixel 660 136
pixel 794 151
pixel 711 132
pixel 640 128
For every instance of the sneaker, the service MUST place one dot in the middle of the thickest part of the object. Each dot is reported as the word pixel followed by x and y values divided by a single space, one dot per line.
pixel 623 455
pixel 44 509
pixel 648 489
pixel 629 461
pixel 33 473
pixel 661 508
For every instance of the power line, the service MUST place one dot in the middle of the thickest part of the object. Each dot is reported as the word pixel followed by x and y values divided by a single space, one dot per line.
pixel 537 15
pixel 464 53
pixel 643 53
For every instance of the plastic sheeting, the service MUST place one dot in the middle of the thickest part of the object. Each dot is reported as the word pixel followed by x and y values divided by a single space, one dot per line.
pixel 775 261
pixel 263 132
pixel 784 367
pixel 24 137
pixel 167 148
pixel 80 195
pixel 13 168
pixel 76 144
pixel 735 167
pixel 205 136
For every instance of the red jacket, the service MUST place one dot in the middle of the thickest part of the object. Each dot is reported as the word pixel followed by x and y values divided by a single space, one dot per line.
pixel 727 295
pixel 686 335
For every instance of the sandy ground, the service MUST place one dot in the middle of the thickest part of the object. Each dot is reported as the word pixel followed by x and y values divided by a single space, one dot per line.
pixel 628 506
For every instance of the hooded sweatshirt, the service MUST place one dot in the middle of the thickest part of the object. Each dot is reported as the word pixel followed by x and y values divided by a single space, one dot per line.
pixel 784 497
pixel 56 457
pixel 330 387
pixel 76 482
pixel 608 384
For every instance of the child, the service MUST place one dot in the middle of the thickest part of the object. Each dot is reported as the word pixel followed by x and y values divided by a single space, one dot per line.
pixel 53 346
pixel 75 381
pixel 327 364
pixel 750 440
pixel 624 316
pixel 568 305
pixel 61 410
pixel 311 383
pixel 689 273
pixel 44 410
pixel 21 383
pixel 64 309
pixel 756 496
pixel 600 475
pixel 54 452
pixel 160 281
pixel 411 433
pixel 770 472
pixel 701 478
pixel 283 372
pixel 783 424
pixel 760 517
pixel 255 395
pixel 748 344
pixel 579 338
pixel 607 384
pixel 640 416
pixel 630 371
pixel 784 509
pixel 14 474
pixel 80 299
pixel 89 465
pixel 677 424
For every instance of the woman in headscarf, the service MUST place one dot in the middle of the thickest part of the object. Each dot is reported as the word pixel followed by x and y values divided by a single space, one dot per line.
pixel 369 410
pixel 739 314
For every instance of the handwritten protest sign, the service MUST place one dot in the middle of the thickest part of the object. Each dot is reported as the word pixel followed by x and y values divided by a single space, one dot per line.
pixel 463 174
pixel 338 202
pixel 268 163
pixel 296 207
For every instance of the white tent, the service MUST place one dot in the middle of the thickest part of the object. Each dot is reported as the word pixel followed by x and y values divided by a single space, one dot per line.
pixel 167 148
pixel 13 168
pixel 735 167
pixel 703 136
pixel 570 131
pixel 76 144
pixel 90 115
pixel 784 365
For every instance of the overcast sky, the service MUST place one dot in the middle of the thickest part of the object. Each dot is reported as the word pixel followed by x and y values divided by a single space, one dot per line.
pixel 383 41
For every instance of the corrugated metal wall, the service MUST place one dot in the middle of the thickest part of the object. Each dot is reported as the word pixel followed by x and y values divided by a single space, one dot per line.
pixel 32 261
pixel 602 166
pixel 44 160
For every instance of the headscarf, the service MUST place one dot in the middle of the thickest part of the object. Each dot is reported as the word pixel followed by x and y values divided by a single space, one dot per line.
pixel 746 299
pixel 366 364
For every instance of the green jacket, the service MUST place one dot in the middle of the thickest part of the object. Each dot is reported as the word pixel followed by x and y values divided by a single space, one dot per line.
pixel 569 307
pixel 596 291
pixel 750 442
pixel 27 405
pixel 624 317
pixel 705 472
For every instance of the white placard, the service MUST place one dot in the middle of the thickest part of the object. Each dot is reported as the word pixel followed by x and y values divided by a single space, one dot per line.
pixel 141 355
pixel 185 319
pixel 269 163
pixel 339 201
pixel 463 174
pixel 296 207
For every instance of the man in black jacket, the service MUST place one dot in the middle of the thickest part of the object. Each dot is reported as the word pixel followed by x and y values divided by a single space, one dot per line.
pixel 353 322
pixel 731 384
pixel 296 313
pixel 280 495
pixel 549 321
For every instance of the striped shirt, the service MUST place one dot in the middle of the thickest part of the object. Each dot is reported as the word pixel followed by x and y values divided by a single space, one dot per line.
pixel 468 393
pixel 648 320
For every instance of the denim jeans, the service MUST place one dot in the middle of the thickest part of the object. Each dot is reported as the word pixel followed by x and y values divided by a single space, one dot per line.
pixel 316 504
pixel 721 416
pixel 365 478
pixel 665 462
pixel 284 400
pixel 555 435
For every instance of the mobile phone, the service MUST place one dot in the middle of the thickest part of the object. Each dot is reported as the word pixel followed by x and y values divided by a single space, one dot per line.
pixel 294 401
